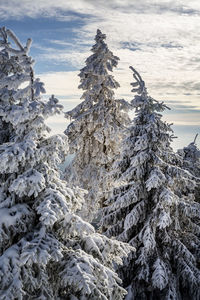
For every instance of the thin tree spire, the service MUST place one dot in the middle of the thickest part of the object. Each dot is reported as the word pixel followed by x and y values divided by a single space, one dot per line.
pixel 97 126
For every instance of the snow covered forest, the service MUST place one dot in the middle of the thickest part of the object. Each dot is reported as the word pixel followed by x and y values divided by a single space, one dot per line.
pixel 122 221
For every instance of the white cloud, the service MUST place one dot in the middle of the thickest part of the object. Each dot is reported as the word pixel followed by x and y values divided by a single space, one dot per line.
pixel 156 27
pixel 184 119
pixel 160 38
pixel 164 35
pixel 62 84
pixel 51 8
pixel 73 57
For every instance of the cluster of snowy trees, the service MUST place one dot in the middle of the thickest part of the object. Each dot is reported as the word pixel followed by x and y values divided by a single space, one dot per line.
pixel 46 250
pixel 143 197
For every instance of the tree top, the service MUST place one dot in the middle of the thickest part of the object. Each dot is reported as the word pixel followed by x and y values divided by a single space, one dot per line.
pixel 100 36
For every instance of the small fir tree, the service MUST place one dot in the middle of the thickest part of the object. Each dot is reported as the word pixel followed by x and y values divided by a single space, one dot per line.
pixel 46 250
pixel 97 127
pixel 190 156
pixel 153 208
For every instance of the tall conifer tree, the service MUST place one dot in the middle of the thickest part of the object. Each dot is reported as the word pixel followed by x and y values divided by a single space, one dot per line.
pixel 153 208
pixel 98 124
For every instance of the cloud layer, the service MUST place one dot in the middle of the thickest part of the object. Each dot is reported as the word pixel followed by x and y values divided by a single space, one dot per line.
pixel 160 38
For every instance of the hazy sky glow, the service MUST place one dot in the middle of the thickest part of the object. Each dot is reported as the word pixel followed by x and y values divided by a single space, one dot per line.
pixel 159 38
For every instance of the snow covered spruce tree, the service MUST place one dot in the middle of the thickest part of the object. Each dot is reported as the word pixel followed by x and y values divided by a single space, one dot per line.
pixel 153 209
pixel 191 161
pixel 191 157
pixel 97 127
pixel 46 250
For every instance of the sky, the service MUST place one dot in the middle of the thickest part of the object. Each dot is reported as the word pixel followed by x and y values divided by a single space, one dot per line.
pixel 159 38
